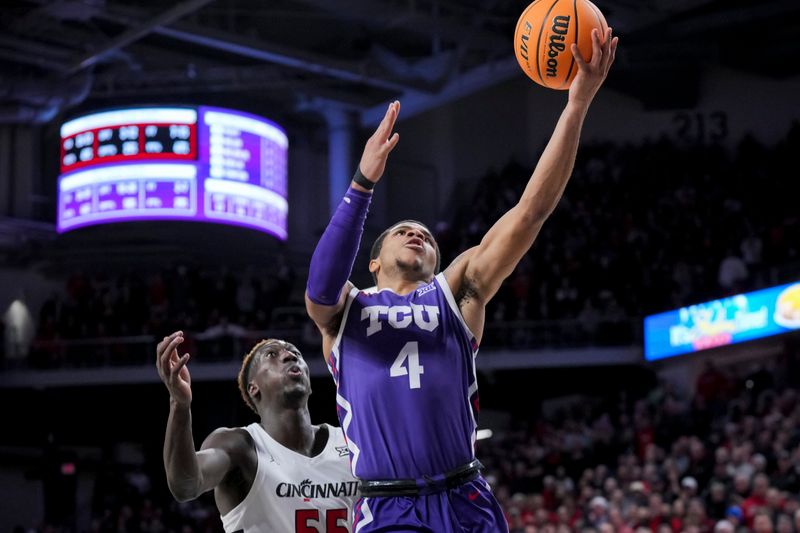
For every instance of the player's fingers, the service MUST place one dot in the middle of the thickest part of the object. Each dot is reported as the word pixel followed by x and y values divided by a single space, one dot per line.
pixel 611 55
pixel 165 368
pixel 597 48
pixel 176 369
pixel 578 56
pixel 391 143
pixel 172 349
pixel 394 109
pixel 162 346
pixel 170 356
pixel 385 118
pixel 607 46
pixel 163 357
pixel 387 123
pixel 614 44
pixel 380 131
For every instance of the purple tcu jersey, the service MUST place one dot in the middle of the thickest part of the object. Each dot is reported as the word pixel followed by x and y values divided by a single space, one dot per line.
pixel 404 368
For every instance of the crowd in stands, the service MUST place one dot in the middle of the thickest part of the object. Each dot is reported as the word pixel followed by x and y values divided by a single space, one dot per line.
pixel 644 228
pixel 136 303
pixel 726 459
pixel 126 500
pixel 209 303
pixel 129 503
pixel 641 229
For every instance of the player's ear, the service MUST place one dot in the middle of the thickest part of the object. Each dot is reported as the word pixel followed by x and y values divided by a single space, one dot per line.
pixel 374 266
pixel 252 390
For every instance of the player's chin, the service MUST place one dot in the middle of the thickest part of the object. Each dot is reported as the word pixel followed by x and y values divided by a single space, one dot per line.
pixel 297 390
pixel 412 259
pixel 297 381
pixel 291 380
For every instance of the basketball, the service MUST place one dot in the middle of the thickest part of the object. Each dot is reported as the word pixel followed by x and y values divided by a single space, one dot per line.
pixel 545 32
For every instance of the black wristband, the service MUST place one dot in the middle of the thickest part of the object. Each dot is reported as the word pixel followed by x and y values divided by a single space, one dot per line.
pixel 362 180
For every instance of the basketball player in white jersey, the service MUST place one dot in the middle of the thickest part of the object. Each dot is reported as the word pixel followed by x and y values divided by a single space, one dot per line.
pixel 280 475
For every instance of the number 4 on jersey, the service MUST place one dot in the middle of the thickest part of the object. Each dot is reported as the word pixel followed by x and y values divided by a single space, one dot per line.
pixel 411 352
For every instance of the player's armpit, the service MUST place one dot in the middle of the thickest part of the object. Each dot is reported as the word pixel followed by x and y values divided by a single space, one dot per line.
pixel 214 464
pixel 454 273
pixel 327 317
pixel 221 452
pixel 464 289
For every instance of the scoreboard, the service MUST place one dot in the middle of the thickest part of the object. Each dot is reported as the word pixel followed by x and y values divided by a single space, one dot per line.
pixel 173 163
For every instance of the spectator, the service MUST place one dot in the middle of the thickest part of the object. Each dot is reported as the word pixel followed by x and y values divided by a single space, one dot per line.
pixel 670 482
pixel 732 272
pixel 723 526
pixel 762 522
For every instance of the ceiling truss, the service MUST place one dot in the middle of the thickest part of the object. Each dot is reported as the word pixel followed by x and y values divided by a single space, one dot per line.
pixel 360 53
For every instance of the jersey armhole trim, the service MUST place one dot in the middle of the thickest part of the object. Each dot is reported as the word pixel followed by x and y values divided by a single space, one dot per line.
pixel 236 514
pixel 451 301
pixel 335 348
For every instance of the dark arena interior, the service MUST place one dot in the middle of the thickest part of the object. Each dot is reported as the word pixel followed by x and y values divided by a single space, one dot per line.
pixel 639 371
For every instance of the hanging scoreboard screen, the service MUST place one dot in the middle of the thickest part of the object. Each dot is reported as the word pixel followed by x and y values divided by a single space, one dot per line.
pixel 173 163
pixel 739 318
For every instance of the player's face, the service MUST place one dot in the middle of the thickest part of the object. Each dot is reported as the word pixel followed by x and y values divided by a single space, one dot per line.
pixel 282 370
pixel 411 247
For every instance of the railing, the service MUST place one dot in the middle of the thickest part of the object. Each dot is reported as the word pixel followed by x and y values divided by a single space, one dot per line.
pixel 91 352
pixel 572 333
pixel 141 350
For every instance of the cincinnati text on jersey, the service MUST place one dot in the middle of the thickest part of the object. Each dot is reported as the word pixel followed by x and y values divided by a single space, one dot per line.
pixel 307 489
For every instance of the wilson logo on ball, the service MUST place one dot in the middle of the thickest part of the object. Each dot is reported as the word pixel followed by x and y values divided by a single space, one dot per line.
pixel 557 45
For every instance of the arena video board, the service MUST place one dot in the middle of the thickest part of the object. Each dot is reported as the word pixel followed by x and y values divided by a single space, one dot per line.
pixel 732 320
pixel 173 163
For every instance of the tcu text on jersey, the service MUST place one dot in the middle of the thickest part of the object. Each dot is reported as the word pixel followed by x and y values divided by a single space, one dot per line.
pixel 425 317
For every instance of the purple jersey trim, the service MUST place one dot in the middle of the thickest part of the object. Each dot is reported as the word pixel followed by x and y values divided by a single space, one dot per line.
pixel 473 388
pixel 333 360
pixel 448 294
pixel 362 515
pixel 343 407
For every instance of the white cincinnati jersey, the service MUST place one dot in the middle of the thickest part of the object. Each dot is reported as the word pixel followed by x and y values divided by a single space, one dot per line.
pixel 293 493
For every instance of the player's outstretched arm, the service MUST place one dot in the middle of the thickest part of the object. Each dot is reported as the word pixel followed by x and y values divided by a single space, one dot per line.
pixel 189 473
pixel 495 258
pixel 336 251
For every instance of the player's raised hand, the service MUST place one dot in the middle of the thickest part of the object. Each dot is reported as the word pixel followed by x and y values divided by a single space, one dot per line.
pixel 173 370
pixel 592 74
pixel 383 141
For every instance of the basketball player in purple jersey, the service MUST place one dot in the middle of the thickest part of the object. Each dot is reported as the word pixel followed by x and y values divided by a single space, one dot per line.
pixel 402 353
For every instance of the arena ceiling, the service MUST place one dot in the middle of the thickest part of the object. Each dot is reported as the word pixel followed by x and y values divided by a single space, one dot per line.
pixel 310 55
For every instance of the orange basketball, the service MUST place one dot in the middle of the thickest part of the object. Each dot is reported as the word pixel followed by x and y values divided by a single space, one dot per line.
pixel 545 32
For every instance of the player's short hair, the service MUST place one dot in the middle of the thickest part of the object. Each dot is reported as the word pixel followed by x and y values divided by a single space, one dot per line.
pixel 375 251
pixel 244 372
